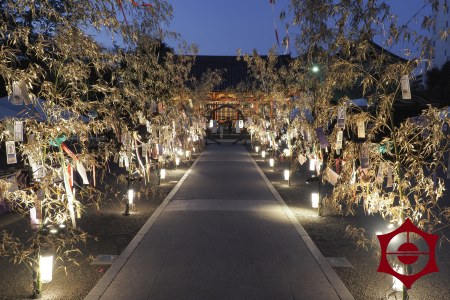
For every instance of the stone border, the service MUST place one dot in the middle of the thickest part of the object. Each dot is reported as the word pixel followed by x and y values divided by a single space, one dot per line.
pixel 337 284
pixel 99 289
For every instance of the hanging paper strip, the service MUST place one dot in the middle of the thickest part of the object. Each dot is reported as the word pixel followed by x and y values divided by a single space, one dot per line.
pixel 341 117
pixel 360 124
pixel 302 159
pixel 364 156
pixel 82 171
pixel 70 198
pixel 70 175
pixel 93 175
pixel 11 157
pixel 406 90
pixel 353 177
pixel 138 157
pixel 331 176
pixel 18 131
pixel 380 173
pixel 390 178
pixel 339 138
pixel 33 218
pixel 322 138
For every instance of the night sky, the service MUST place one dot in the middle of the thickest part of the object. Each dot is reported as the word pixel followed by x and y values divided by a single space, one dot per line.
pixel 222 27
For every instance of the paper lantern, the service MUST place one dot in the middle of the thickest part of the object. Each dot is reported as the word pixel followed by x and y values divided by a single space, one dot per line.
pixel 271 162
pixel 257 149
pixel 312 164
pixel 46 268
pixel 263 154
pixel 315 200
pixel 162 174
pixel 286 174
pixel 130 196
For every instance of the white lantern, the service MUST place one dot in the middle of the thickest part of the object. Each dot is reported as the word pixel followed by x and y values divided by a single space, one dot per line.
pixel 241 124
pixel 312 164
pixel 177 161
pixel 46 268
pixel 286 174
pixel 211 123
pixel 315 200
pixel 271 162
pixel 188 153
pixel 263 154
pixel 130 196
pixel 257 149
pixel 163 174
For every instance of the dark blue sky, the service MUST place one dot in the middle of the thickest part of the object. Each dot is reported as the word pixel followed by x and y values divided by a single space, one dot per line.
pixel 221 27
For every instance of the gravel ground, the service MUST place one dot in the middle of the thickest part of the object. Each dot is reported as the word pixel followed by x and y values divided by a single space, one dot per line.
pixel 328 233
pixel 112 230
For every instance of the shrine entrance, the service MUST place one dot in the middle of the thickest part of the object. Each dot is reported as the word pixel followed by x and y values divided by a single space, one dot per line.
pixel 225 122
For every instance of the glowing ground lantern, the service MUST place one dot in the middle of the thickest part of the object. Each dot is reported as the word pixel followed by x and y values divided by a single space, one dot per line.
pixel 163 174
pixel 257 149
pixel 130 196
pixel 272 163
pixel 45 268
pixel 263 154
pixel 286 175
pixel 315 200
pixel 312 164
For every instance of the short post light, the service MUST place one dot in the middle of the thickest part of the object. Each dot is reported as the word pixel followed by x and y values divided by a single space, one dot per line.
pixel 263 154
pixel 272 163
pixel 129 202
pixel 177 161
pixel 315 198
pixel 312 164
pixel 45 267
pixel 256 149
pixel 43 272
pixel 287 176
pixel 162 173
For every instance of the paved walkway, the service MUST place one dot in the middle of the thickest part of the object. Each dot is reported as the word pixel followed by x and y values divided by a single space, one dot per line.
pixel 222 233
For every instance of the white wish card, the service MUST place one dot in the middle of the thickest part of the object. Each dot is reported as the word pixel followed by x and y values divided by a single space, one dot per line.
pixel 341 117
pixel 331 176
pixel 406 90
pixel 360 124
pixel 339 138
pixel 18 131
pixel 390 178
pixel 11 157
pixel 364 156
